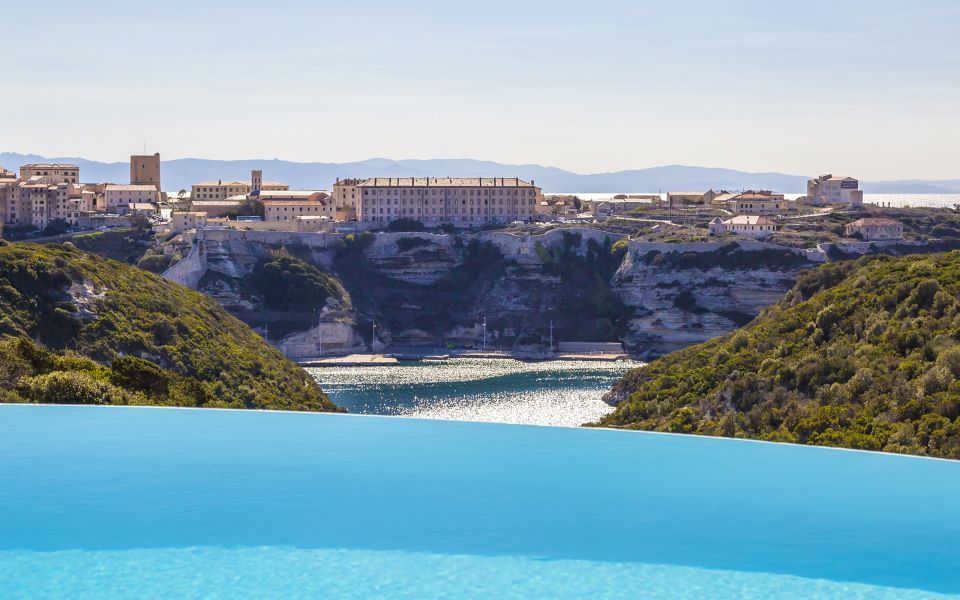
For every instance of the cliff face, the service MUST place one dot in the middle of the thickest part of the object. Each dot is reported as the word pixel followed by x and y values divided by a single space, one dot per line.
pixel 697 292
pixel 436 290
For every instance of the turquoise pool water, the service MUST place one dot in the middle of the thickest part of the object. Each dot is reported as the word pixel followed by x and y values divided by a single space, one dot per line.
pixel 140 502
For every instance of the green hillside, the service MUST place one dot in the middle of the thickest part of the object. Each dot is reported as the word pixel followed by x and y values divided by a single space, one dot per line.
pixel 79 328
pixel 862 354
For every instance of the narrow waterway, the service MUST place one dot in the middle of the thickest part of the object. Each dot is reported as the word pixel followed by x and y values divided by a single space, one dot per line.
pixel 563 392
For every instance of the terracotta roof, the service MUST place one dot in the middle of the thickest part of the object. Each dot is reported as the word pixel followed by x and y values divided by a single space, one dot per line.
pixel 757 195
pixel 129 188
pixel 224 202
pixel 222 183
pixel 266 195
pixel 49 166
pixel 270 203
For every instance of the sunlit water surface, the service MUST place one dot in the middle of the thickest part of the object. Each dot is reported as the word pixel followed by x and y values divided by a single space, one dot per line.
pixel 565 392
pixel 892 200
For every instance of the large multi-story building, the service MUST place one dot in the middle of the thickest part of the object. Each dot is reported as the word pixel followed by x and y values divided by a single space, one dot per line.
pixel 120 197
pixel 37 203
pixel 464 202
pixel 145 170
pixel 52 173
pixel 221 190
pixel 829 189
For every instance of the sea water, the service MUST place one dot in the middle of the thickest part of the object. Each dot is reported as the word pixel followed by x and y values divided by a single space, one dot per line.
pixel 561 392
pixel 892 200
pixel 116 502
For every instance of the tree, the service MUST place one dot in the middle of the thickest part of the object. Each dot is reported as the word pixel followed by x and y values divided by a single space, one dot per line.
pixel 56 227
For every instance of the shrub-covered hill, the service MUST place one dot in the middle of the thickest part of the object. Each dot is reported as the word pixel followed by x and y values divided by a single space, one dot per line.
pixel 862 354
pixel 76 328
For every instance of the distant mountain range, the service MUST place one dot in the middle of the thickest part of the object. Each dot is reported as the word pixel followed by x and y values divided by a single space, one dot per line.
pixel 182 172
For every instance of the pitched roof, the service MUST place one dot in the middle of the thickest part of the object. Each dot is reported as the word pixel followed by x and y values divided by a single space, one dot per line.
pixel 748 220
pixel 129 188
pixel 757 195
pixel 304 202
pixel 222 183
pixel 49 166
pixel 224 202
pixel 290 194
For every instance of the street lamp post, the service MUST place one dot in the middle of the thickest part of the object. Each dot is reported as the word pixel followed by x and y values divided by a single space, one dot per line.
pixel 484 334
pixel 319 311
pixel 551 336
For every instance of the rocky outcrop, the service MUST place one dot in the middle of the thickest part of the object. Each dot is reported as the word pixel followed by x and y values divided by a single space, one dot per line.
pixel 699 291
pixel 419 258
pixel 420 292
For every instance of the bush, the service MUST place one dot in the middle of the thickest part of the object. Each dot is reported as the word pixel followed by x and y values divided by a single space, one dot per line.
pixel 409 243
pixel 155 263
pixel 287 283
pixel 62 387
pixel 138 374
pixel 56 227
pixel 407 225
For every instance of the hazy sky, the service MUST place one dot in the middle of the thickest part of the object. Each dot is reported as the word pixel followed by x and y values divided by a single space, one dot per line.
pixel 866 88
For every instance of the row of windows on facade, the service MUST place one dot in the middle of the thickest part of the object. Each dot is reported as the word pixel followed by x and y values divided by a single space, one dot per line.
pixel 433 211
pixel 445 218
pixel 403 201
pixel 294 208
pixel 454 192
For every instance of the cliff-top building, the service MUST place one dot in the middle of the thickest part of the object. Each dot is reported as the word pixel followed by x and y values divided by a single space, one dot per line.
pixel 52 173
pixel 829 189
pixel 875 229
pixel 751 226
pixel 346 192
pixel 761 202
pixel 145 170
pixel 120 198
pixel 221 190
pixel 459 201
pixel 287 205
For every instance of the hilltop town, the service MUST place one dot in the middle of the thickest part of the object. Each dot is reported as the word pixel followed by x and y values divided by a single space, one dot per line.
pixel 468 262
pixel 44 200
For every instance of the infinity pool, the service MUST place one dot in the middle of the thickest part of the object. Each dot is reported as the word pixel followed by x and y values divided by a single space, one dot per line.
pixel 106 502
